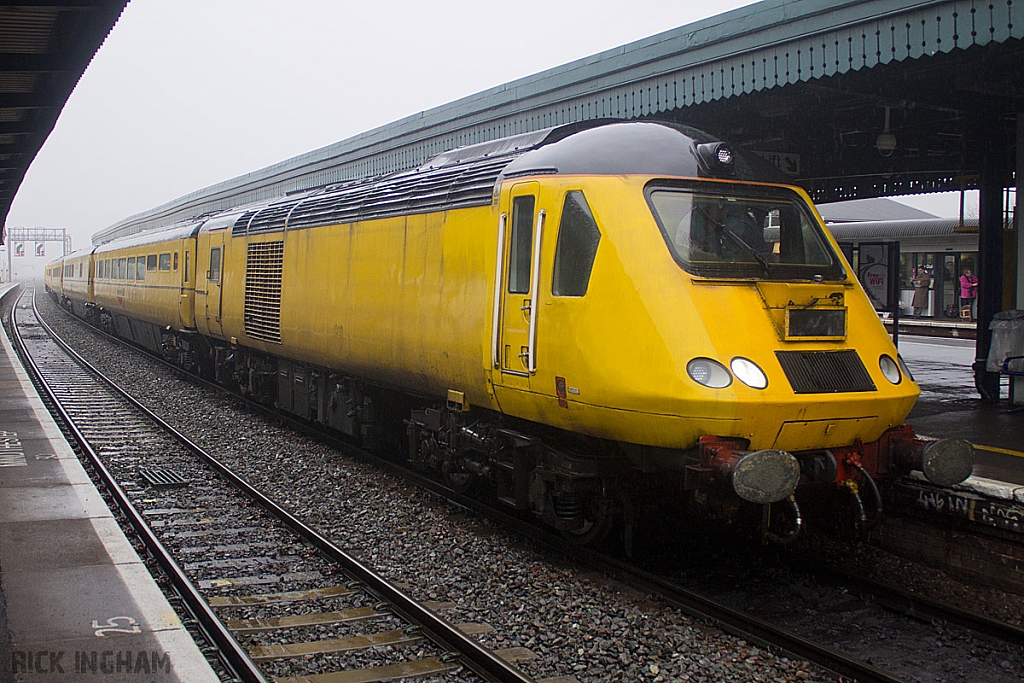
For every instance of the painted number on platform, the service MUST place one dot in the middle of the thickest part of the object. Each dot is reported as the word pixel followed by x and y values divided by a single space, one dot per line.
pixel 116 625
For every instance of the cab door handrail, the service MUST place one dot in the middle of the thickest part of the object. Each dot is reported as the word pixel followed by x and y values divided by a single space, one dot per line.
pixel 531 359
pixel 498 268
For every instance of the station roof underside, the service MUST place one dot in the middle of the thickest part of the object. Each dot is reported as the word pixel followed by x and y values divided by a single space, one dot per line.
pixel 808 84
pixel 45 47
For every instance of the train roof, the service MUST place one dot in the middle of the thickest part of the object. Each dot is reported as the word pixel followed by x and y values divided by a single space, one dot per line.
pixel 77 253
pixel 466 177
pixel 172 232
pixel 655 148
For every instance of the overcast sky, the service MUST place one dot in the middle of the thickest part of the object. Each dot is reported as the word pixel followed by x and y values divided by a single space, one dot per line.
pixel 187 93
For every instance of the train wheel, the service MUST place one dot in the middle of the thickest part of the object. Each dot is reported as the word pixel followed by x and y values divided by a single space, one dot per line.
pixel 460 482
pixel 597 522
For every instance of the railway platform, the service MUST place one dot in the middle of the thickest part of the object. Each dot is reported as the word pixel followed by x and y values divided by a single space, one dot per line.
pixel 934 327
pixel 949 406
pixel 76 601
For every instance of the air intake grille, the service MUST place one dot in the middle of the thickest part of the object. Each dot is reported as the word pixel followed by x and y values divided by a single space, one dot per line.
pixel 263 291
pixel 825 372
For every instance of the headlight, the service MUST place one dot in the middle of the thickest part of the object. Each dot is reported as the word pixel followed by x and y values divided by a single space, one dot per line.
pixel 890 369
pixel 748 372
pixel 708 372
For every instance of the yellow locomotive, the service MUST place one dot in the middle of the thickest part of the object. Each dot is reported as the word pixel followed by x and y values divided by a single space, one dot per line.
pixel 577 319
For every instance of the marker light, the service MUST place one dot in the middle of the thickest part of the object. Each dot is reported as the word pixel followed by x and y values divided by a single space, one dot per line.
pixel 709 373
pixel 890 369
pixel 748 372
pixel 715 157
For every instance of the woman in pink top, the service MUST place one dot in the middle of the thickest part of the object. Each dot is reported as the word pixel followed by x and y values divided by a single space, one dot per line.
pixel 969 292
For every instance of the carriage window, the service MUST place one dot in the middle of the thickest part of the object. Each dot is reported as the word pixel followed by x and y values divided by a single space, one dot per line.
pixel 131 268
pixel 743 231
pixel 519 250
pixel 122 271
pixel 576 248
pixel 214 273
pixel 175 260
pixel 140 268
pixel 186 266
pixel 165 261
pixel 151 262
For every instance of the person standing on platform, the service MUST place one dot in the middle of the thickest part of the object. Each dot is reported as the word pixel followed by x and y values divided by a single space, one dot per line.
pixel 922 283
pixel 969 292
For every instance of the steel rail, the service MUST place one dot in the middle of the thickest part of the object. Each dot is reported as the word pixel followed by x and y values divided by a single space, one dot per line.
pixel 473 655
pixel 901 601
pixel 232 654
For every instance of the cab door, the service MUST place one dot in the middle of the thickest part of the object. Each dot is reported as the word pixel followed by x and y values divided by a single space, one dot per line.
pixel 515 346
pixel 210 260
pixel 187 283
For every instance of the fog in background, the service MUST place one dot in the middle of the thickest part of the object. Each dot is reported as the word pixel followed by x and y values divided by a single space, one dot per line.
pixel 188 93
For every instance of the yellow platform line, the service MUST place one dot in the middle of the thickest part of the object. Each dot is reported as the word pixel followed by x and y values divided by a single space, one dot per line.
pixel 994 449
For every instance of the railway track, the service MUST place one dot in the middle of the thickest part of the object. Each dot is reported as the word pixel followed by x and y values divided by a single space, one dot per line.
pixel 762 631
pixel 280 600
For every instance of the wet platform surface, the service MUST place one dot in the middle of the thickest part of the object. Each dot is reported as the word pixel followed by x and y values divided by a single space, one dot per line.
pixel 76 601
pixel 950 406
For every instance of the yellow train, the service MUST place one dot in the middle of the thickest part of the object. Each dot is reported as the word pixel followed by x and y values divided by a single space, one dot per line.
pixel 577 320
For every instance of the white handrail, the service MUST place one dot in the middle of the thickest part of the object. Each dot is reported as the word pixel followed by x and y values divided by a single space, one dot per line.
pixel 496 322
pixel 531 360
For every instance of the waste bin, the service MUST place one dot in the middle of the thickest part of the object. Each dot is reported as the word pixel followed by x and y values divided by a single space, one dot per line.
pixel 1007 341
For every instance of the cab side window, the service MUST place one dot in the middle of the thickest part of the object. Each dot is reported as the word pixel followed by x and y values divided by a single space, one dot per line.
pixel 214 274
pixel 578 237
pixel 521 247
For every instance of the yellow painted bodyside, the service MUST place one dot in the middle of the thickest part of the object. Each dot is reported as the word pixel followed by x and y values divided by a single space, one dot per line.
pixel 400 301
pixel 77 284
pixel 54 275
pixel 408 302
pixel 163 297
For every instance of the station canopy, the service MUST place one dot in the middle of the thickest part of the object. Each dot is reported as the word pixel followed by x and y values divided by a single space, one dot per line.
pixel 45 47
pixel 852 99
